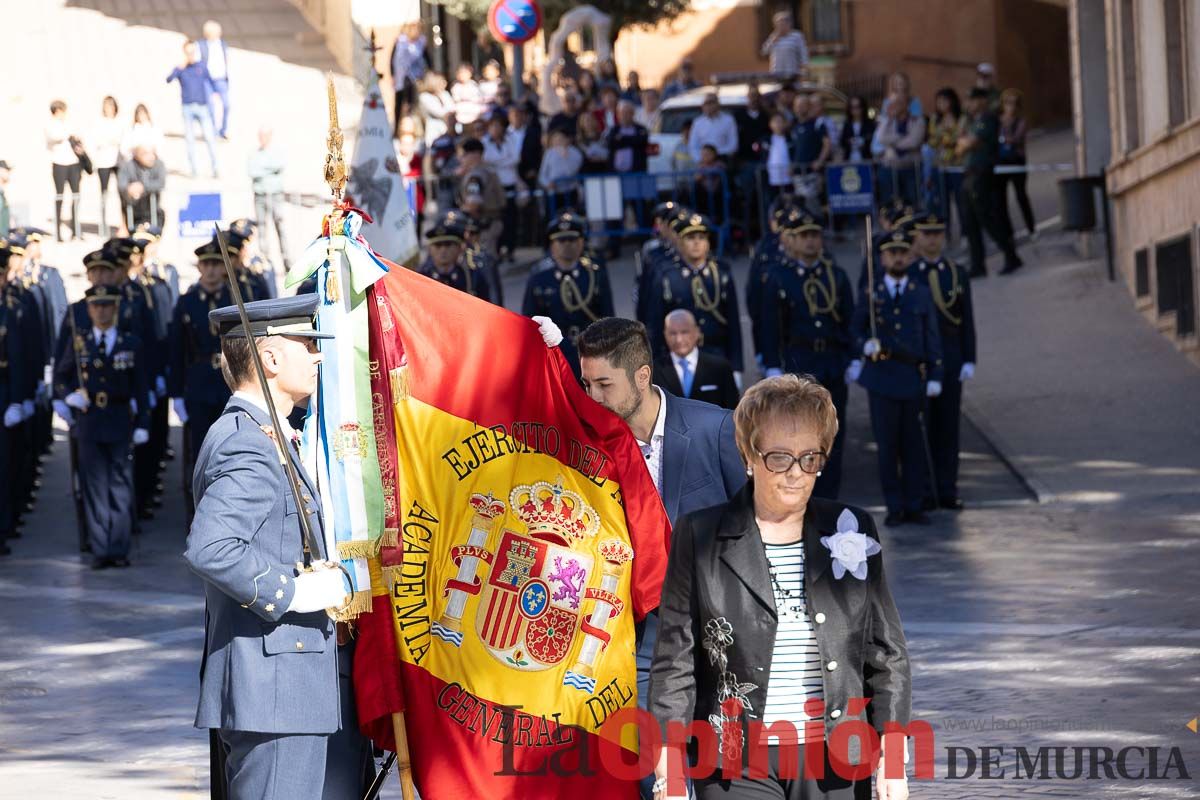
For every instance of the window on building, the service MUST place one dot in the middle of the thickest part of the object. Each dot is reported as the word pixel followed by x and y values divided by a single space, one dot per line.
pixel 1141 272
pixel 1129 85
pixel 1176 62
pixel 1176 288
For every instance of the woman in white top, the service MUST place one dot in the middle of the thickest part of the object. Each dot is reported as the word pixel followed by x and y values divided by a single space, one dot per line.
pixel 437 107
pixel 468 98
pixel 142 134
pixel 65 165
pixel 106 152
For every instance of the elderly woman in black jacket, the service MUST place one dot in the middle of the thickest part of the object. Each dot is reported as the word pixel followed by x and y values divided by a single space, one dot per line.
pixel 775 609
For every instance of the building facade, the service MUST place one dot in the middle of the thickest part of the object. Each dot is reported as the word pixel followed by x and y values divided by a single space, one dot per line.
pixel 1136 76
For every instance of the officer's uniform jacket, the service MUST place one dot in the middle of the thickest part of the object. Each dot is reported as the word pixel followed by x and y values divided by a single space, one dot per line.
pixel 262 276
pixel 717 622
pixel 907 329
pixel 13 369
pixel 765 253
pixel 657 255
pixel 950 289
pixel 709 293
pixel 194 349
pixel 807 311
pixel 32 335
pixel 111 381
pixel 266 669
pixel 480 261
pixel 461 277
pixel 574 298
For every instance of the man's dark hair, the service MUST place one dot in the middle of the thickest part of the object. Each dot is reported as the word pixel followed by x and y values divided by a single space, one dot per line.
pixel 237 364
pixel 472 145
pixel 978 93
pixel 622 341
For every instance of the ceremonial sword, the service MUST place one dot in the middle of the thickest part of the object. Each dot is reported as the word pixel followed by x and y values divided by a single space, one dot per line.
pixel 308 539
pixel 871 286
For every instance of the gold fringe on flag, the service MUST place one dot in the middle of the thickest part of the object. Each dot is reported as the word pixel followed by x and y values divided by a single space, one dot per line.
pixel 390 537
pixel 360 603
pixel 364 548
pixel 399 380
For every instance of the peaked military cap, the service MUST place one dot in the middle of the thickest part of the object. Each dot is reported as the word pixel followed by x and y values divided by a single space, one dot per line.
pixel 103 294
pixel 798 220
pixel 462 220
pixel 31 234
pixel 211 250
pixel 693 223
pixel 15 242
pixel 929 222
pixel 896 240
pixel 127 246
pixel 567 225
pixel 98 259
pixel 243 227
pixel 279 316
pixel 664 211
pixel 895 210
pixel 446 230
pixel 145 232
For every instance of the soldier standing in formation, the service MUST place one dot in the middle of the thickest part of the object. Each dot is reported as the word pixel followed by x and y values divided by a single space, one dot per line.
pixel 35 336
pixel 260 274
pixel 950 288
pixel 13 385
pixel 702 284
pixel 194 381
pixel 807 307
pixel 101 385
pixel 660 248
pixel 904 366
pixel 567 286
pixel 475 256
pixel 48 282
pixel 445 262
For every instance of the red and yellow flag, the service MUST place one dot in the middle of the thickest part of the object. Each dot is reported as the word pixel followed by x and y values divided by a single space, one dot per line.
pixel 524 538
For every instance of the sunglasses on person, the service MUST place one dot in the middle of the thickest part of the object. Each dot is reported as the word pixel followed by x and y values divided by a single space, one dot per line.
pixel 811 461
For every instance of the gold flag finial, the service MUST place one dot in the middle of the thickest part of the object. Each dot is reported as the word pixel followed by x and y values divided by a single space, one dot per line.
pixel 335 162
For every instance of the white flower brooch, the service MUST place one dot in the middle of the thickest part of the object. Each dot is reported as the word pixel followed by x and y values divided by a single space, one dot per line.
pixel 850 548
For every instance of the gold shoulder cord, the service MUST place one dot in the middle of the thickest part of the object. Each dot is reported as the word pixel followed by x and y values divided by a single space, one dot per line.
pixel 700 294
pixel 943 303
pixel 467 277
pixel 573 299
pixel 814 286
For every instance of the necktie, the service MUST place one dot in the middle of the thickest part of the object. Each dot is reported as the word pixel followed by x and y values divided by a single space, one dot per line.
pixel 686 378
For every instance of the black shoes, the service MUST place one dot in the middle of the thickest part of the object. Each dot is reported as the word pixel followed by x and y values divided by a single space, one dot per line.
pixel 952 504
pixel 105 563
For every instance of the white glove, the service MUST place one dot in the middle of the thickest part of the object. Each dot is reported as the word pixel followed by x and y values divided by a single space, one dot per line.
pixel 933 388
pixel 160 386
pixel 140 436
pixel 854 370
pixel 773 372
pixel 64 412
pixel 967 372
pixel 737 379
pixel 871 348
pixel 27 409
pixel 78 400
pixel 317 591
pixel 180 410
pixel 13 415
pixel 133 405
pixel 551 335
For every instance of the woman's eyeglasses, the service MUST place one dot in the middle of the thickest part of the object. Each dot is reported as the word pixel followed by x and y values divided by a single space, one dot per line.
pixel 812 461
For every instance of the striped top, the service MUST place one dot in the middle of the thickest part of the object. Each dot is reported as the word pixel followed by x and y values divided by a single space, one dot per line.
pixel 795 662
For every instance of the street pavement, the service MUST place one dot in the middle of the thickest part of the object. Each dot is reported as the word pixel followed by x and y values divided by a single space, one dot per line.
pixel 1057 610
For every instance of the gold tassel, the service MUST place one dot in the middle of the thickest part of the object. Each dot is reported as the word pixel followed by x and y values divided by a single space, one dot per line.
pixel 360 603
pixel 375 570
pixel 333 292
pixel 399 381
pixel 359 548
pixel 390 537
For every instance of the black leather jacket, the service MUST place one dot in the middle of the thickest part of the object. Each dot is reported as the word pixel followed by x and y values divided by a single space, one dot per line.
pixel 717 597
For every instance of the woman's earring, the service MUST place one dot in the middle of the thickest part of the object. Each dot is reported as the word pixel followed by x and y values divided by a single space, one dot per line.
pixel 818 474
pixel 749 471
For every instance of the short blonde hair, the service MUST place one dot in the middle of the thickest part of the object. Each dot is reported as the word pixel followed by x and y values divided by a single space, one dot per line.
pixel 798 397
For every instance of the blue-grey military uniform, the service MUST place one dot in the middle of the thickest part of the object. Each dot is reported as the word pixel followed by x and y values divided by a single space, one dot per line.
pixel 950 288
pixel 707 290
pixel 258 271
pixel 911 355
pixel 656 251
pixel 54 304
pixel 114 379
pixel 271 680
pixel 806 313
pixel 35 337
pixel 572 296
pixel 12 387
pixel 461 275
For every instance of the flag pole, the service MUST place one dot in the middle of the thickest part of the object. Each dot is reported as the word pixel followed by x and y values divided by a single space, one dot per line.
pixel 335 176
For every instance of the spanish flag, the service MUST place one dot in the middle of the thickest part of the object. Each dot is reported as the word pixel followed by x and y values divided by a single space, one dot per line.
pixel 523 539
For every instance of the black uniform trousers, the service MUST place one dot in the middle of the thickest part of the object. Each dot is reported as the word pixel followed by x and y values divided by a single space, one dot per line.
pixel 106 476
pixel 980 198
pixel 829 482
pixel 7 512
pixel 945 414
pixel 831 786
pixel 902 470
pixel 23 461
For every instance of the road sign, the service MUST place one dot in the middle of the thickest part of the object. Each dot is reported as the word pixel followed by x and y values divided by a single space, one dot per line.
pixel 514 21
pixel 850 189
